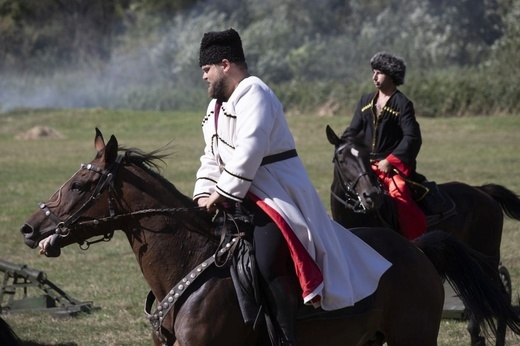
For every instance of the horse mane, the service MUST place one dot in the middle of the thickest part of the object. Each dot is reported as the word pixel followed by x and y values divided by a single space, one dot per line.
pixel 150 162
pixel 356 141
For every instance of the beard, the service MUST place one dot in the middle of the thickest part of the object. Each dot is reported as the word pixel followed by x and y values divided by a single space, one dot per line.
pixel 217 90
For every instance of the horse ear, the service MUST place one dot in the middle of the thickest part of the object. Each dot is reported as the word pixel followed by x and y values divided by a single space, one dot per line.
pixel 331 136
pixel 99 142
pixel 111 150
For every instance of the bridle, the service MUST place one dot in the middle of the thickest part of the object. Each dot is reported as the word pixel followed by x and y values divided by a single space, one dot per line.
pixel 64 228
pixel 350 198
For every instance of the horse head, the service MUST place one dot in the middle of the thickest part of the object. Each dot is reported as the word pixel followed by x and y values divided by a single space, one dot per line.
pixel 82 200
pixel 355 184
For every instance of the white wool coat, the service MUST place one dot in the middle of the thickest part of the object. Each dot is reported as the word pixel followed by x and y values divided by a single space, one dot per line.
pixel 335 268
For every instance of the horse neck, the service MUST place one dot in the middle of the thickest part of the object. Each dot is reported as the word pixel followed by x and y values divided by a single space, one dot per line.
pixel 167 246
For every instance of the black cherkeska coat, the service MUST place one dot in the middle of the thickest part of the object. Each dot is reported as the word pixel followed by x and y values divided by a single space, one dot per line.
pixel 396 130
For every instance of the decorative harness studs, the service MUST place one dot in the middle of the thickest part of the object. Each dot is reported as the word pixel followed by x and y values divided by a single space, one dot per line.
pixel 351 200
pixel 63 228
pixel 156 318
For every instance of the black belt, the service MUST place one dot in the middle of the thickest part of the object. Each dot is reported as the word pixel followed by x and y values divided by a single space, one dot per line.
pixel 284 155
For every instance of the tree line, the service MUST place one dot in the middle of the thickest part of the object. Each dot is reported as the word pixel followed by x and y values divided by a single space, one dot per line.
pixel 143 54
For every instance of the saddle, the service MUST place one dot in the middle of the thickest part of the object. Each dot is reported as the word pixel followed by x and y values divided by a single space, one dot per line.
pixel 436 205
pixel 241 260
pixel 242 267
pixel 428 196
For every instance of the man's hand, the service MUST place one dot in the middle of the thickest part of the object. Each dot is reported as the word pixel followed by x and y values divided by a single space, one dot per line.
pixel 202 201
pixel 385 166
pixel 211 203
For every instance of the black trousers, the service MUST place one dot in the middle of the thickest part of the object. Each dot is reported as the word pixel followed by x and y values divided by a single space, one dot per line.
pixel 271 250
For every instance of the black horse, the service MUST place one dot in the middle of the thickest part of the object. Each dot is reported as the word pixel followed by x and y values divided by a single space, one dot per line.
pixel 473 214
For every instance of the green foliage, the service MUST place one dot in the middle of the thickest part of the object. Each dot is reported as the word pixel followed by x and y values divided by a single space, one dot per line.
pixel 52 33
pixel 452 92
pixel 143 54
pixel 326 98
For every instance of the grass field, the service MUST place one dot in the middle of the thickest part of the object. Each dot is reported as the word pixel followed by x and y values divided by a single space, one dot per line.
pixel 473 150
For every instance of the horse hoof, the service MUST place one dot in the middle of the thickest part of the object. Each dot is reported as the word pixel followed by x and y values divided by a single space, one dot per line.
pixel 480 341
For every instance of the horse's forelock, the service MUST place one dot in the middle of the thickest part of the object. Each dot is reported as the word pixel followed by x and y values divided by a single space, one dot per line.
pixel 356 141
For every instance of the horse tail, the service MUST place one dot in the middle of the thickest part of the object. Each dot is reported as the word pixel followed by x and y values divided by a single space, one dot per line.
pixel 508 200
pixel 483 299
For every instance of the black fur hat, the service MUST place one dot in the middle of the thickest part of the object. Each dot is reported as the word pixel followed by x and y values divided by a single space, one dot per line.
pixel 218 45
pixel 390 65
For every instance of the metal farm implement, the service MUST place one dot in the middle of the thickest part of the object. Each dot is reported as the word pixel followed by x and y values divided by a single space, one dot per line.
pixel 20 288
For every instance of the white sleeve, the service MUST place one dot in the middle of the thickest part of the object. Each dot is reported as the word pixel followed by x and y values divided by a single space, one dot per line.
pixel 255 113
pixel 209 171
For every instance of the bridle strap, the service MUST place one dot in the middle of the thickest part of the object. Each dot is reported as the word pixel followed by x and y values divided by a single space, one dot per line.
pixel 118 217
pixel 351 200
pixel 224 250
pixel 63 228
pixel 163 308
pixel 107 179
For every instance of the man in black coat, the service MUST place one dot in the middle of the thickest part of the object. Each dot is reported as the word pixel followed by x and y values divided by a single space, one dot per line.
pixel 391 131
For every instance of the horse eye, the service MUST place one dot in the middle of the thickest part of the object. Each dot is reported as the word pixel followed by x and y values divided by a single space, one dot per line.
pixel 76 187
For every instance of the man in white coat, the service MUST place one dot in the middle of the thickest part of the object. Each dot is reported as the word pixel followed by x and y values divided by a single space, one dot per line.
pixel 250 158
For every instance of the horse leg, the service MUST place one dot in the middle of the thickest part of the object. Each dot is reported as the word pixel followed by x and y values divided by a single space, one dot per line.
pixel 501 324
pixel 478 340
pixel 474 332
pixel 481 232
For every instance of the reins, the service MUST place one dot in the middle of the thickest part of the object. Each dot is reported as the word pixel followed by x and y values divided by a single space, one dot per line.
pixel 351 199
pixel 225 249
pixel 65 228
pixel 118 217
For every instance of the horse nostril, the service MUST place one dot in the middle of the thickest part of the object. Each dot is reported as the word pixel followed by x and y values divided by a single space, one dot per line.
pixel 27 230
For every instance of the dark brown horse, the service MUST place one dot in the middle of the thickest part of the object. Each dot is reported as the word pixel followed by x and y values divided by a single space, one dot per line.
pixel 357 199
pixel 174 242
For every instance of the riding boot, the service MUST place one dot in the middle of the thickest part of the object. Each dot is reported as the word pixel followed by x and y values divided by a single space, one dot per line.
pixel 282 308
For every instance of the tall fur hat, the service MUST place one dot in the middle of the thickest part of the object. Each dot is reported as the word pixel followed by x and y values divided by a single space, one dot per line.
pixel 390 65
pixel 218 45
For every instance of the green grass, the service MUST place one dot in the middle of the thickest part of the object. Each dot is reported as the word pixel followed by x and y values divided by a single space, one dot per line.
pixel 475 150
